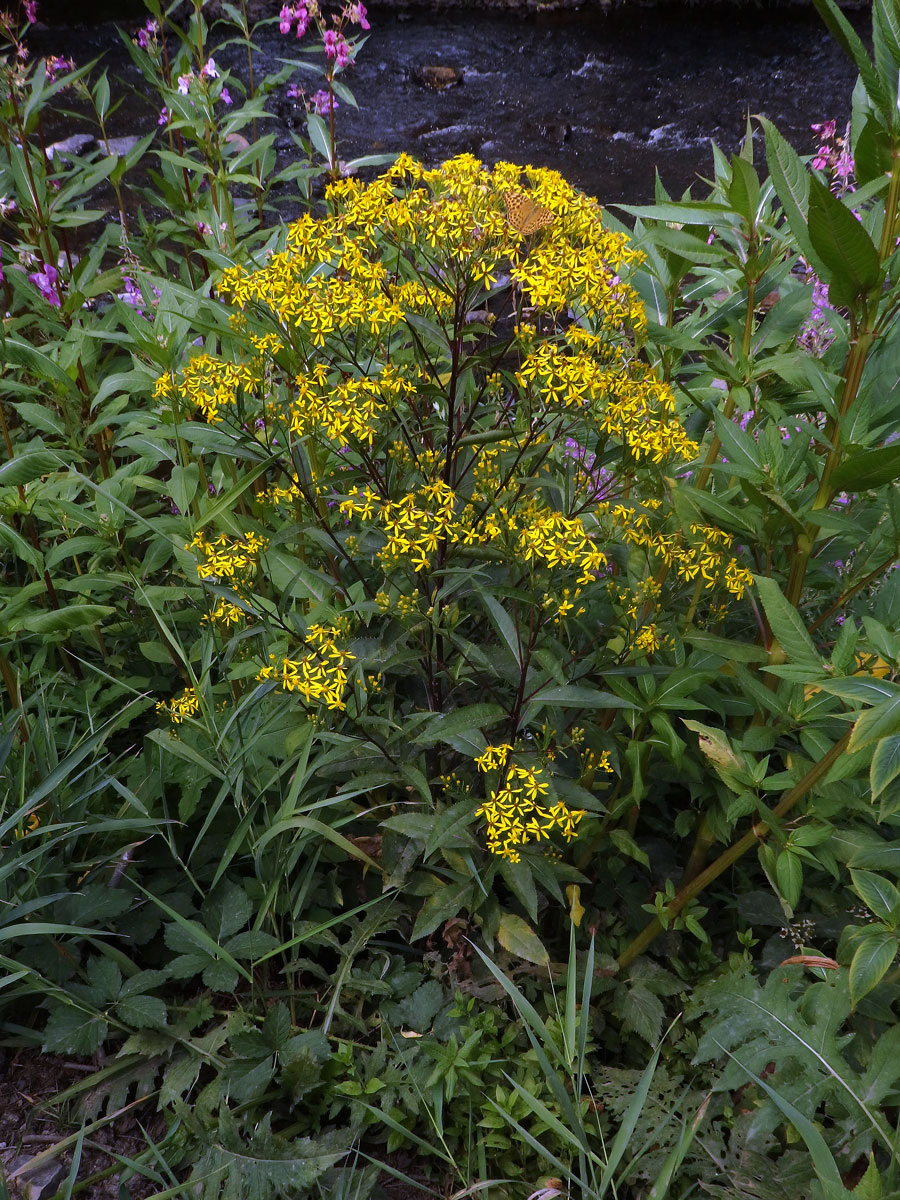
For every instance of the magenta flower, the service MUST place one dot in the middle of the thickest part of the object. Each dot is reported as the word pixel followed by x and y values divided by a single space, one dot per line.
pixel 285 18
pixel 330 42
pixel 164 117
pixel 184 83
pixel 209 70
pixel 225 96
pixel 343 53
pixel 323 102
pixel 46 283
pixel 56 63
pixel 31 11
pixel 302 20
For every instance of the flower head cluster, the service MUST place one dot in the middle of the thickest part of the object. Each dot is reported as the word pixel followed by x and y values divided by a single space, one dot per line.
pixel 320 675
pixel 835 156
pixel 234 560
pixel 518 809
pixel 179 708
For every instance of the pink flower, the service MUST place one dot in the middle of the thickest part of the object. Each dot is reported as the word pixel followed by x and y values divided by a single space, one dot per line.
pixel 330 42
pixel 225 96
pixel 302 21
pixel 356 15
pixel 323 102
pixel 209 70
pixel 343 53
pixel 55 64
pixel 285 17
pixel 31 11
pixel 46 283
pixel 184 83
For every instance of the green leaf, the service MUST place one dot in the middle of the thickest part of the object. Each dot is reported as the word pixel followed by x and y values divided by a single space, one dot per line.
pixel 740 449
pixel 876 892
pixel 874 955
pixel 517 936
pixel 844 33
pixel 881 721
pixel 789 875
pixel 444 726
pixel 872 156
pixel 63 620
pixel 183 485
pixel 579 697
pixel 449 828
pixel 503 624
pixel 31 465
pixel 842 244
pixel 868 469
pixel 885 766
pixel 787 624
pixel 142 1012
pixel 446 901
pixel 791 181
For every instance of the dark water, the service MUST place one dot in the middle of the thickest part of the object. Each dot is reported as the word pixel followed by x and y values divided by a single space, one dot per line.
pixel 605 99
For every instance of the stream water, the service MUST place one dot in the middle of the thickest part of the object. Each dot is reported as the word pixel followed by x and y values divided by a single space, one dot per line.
pixel 604 98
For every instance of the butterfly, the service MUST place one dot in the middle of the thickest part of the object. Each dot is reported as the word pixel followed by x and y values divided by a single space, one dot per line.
pixel 525 214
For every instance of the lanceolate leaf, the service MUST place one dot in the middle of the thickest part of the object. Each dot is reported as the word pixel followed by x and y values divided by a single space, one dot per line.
pixel 846 35
pixel 787 624
pixel 791 180
pixel 880 721
pixel 843 246
pixel 885 764
pixel 868 469
pixel 873 956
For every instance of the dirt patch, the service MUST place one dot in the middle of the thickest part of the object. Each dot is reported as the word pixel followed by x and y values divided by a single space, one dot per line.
pixel 33 1126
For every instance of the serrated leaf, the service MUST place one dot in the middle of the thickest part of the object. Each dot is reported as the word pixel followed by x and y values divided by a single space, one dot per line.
pixel 787 625
pixel 419 1010
pixel 142 1012
pixel 791 181
pixel 842 244
pixel 71 1031
pixel 446 901
pixel 517 936
pixel 870 963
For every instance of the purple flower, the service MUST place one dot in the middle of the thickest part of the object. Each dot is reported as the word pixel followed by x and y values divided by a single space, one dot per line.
pixel 46 283
pixel 209 69
pixel 330 42
pixel 31 11
pixel 323 102
pixel 225 96
pixel 184 83
pixel 286 16
pixel 164 117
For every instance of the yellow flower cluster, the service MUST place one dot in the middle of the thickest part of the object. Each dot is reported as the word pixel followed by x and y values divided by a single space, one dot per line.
pixel 515 811
pixel 319 676
pixel 234 559
pixel 707 558
pixel 346 409
pixel 179 708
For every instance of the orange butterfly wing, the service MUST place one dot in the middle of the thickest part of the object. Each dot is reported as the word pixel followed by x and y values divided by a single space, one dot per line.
pixel 525 214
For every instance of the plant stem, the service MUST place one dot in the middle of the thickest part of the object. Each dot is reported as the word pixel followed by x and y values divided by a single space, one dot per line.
pixel 737 850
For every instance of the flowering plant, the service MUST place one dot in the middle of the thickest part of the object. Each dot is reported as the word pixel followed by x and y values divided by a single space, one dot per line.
pixel 457 549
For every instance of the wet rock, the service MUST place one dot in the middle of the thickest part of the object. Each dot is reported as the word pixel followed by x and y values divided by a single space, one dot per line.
pixel 438 77
pixel 122 145
pixel 41 1182
pixel 76 144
